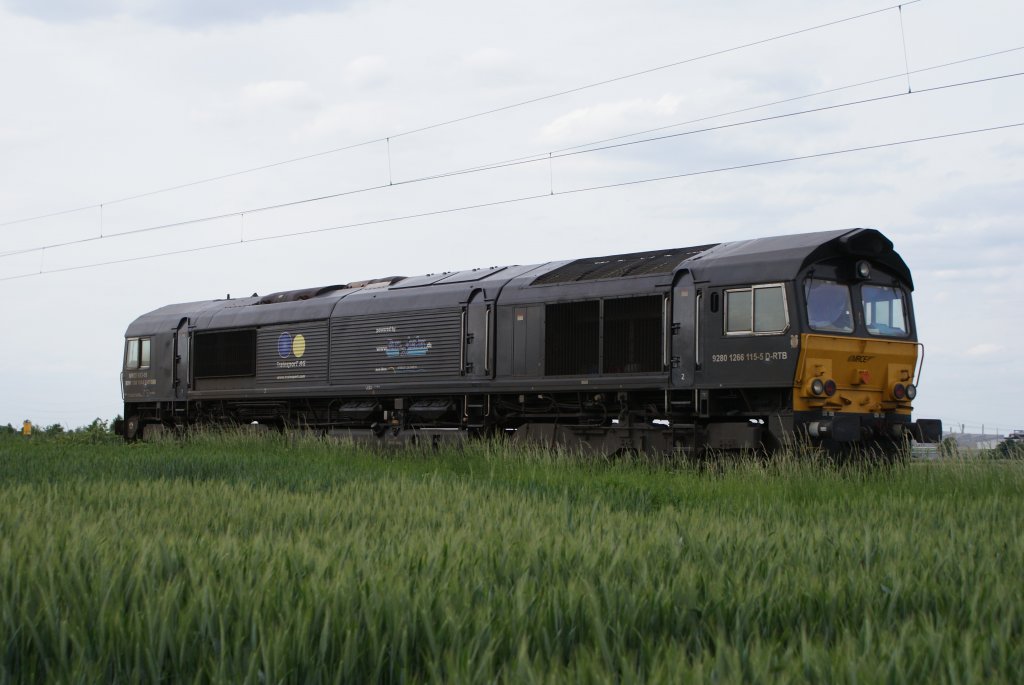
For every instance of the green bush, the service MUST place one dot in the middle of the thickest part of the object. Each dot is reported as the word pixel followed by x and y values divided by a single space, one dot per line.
pixel 1011 448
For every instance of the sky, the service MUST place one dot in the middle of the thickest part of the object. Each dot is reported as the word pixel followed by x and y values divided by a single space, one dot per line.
pixel 105 101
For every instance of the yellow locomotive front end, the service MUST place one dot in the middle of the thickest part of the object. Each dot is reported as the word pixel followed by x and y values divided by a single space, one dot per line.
pixel 859 363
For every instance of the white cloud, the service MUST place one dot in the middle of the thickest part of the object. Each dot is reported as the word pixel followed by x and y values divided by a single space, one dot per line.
pixel 333 122
pixel 983 349
pixel 367 71
pixel 493 67
pixel 11 135
pixel 183 13
pixel 275 92
pixel 488 59
pixel 610 118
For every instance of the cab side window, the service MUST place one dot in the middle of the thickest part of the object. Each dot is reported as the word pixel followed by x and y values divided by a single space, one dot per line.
pixel 757 310
pixel 137 353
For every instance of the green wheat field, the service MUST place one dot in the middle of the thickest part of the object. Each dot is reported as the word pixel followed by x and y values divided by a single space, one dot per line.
pixel 267 559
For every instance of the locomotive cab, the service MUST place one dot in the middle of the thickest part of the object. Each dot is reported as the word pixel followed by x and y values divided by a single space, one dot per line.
pixel 807 336
pixel 860 361
pixel 150 373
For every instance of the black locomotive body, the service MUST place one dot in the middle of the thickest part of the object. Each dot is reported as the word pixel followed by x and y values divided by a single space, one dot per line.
pixel 732 345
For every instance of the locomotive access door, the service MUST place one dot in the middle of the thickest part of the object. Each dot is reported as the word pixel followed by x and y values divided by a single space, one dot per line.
pixel 684 307
pixel 478 334
pixel 182 339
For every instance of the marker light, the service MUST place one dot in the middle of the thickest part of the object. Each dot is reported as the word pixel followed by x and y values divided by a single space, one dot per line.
pixel 863 269
pixel 899 391
pixel 911 391
pixel 817 387
pixel 830 387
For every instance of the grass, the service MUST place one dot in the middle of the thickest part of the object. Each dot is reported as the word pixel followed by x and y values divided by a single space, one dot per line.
pixel 267 559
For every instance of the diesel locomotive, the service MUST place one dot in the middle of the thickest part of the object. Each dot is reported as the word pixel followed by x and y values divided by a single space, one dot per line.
pixel 752 344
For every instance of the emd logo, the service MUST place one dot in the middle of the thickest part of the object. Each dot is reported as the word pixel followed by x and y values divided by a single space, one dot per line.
pixel 287 344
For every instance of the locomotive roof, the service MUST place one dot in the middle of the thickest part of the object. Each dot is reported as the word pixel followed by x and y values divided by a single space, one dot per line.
pixel 783 257
pixel 774 258
pixel 741 261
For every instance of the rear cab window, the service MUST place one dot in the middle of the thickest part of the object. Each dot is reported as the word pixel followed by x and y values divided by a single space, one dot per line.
pixel 757 310
pixel 137 353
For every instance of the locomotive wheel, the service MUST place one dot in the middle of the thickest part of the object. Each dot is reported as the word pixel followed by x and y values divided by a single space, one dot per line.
pixel 131 428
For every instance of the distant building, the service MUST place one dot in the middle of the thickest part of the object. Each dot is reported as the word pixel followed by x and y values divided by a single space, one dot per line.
pixel 975 441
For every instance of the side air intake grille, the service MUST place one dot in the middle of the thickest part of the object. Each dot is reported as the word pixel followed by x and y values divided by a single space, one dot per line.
pixel 571 342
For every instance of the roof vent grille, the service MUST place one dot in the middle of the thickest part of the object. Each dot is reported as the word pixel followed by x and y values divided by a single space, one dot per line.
pixel 619 266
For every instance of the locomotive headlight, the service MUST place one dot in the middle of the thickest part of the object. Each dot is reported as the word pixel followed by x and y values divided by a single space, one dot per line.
pixel 899 391
pixel 911 391
pixel 817 387
pixel 830 387
pixel 863 270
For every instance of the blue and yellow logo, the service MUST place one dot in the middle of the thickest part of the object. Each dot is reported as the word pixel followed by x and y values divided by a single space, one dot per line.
pixel 287 345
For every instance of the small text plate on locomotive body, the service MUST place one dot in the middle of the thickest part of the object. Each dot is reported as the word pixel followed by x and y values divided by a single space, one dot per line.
pixel 776 356
pixel 139 384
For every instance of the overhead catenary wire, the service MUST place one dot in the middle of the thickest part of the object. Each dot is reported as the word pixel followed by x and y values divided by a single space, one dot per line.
pixel 456 120
pixel 589 148
pixel 545 155
pixel 783 101
pixel 849 86
pixel 550 156
pixel 525 198
pixel 493 166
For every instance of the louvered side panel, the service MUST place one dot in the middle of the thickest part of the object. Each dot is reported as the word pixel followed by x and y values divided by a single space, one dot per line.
pixel 396 348
pixel 295 354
